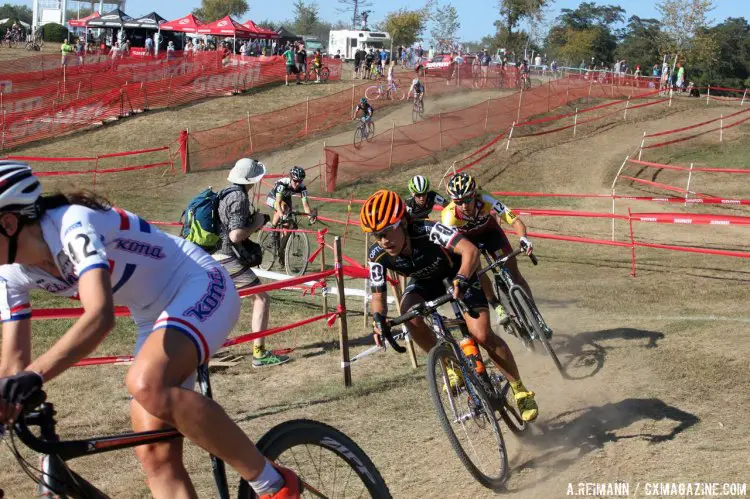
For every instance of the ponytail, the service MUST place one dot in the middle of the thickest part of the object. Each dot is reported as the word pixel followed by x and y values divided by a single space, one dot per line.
pixel 85 198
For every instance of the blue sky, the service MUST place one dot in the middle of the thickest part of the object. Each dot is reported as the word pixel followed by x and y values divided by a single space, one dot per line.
pixel 476 16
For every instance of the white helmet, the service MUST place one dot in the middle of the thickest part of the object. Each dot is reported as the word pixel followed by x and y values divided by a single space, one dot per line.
pixel 19 188
pixel 247 171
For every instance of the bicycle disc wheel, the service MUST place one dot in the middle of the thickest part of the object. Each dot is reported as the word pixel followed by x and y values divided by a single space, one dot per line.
pixel 358 137
pixel 324 74
pixel 372 93
pixel 370 131
pixel 532 319
pixel 296 253
pixel 265 240
pixel 324 458
pixel 472 428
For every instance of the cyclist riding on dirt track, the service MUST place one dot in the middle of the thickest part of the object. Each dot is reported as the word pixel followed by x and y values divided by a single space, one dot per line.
pixel 428 252
pixel 182 301
pixel 478 217
pixel 417 88
pixel 366 108
pixel 422 200
pixel 280 197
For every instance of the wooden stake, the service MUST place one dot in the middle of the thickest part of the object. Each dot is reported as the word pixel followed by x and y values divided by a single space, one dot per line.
pixel 169 92
pixel 250 131
pixel 393 134
pixel 487 115
pixel 708 94
pixel 670 97
pixel 721 129
pixel 343 329
pixel 744 94
pixel 307 113
pixel 409 343
pixel 2 142
pixel 687 189
pixel 440 129
pixel 614 182
pixel 78 94
pixel 643 142
pixel 520 99
pixel 323 268
pixel 575 122
pixel 627 105
pixel 510 135
pixel 632 242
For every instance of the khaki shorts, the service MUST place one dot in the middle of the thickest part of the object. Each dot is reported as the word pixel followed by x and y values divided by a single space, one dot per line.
pixel 241 274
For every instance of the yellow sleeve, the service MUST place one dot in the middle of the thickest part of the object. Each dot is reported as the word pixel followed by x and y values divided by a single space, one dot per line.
pixel 505 213
pixel 448 215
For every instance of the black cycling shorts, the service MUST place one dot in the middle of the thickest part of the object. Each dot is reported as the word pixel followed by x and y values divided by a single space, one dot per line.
pixel 429 289
pixel 493 241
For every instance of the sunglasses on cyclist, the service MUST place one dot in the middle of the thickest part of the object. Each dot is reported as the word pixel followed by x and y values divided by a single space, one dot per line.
pixel 387 232
pixel 464 201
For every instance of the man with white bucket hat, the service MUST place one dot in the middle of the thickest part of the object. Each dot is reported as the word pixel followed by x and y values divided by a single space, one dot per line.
pixel 237 254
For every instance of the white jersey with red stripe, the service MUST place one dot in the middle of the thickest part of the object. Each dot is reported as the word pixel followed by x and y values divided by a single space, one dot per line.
pixel 162 279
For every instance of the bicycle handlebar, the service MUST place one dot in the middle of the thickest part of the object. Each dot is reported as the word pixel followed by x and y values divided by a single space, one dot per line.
pixel 429 307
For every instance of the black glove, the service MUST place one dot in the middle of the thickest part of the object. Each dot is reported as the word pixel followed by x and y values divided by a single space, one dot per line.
pixel 19 388
pixel 266 218
pixel 461 282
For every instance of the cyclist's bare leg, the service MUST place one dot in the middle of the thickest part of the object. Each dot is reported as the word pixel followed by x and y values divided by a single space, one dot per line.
pixel 489 292
pixel 261 308
pixel 166 475
pixel 166 359
pixel 496 348
pixel 419 331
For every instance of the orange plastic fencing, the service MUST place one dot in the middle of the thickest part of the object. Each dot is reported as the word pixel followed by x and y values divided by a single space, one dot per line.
pixel 89 98
pixel 398 145
pixel 219 147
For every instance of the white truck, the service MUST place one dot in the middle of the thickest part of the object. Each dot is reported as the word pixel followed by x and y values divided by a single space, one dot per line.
pixel 347 42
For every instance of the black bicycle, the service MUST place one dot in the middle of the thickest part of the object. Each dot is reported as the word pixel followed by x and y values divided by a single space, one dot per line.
pixel 328 462
pixel 417 110
pixel 468 394
pixel 525 321
pixel 291 249
pixel 365 131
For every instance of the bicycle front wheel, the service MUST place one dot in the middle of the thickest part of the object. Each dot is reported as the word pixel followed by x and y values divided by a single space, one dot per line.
pixel 532 315
pixel 296 253
pixel 372 93
pixel 370 131
pixel 397 94
pixel 324 74
pixel 329 463
pixel 415 112
pixel 268 246
pixel 467 417
pixel 358 137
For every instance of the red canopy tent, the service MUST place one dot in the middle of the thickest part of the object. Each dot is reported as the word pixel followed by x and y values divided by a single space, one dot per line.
pixel 187 24
pixel 225 27
pixel 260 30
pixel 81 23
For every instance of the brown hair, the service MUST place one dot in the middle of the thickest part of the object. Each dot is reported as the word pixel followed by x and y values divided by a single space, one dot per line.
pixel 83 197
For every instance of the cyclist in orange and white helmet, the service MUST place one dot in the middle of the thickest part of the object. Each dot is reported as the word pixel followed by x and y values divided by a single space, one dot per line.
pixel 428 252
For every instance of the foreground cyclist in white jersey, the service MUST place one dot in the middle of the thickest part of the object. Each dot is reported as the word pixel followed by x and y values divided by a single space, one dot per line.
pixel 183 303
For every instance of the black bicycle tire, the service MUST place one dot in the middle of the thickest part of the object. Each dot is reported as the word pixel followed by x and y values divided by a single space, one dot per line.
pixel 302 236
pixel 268 255
pixel 506 302
pixel 531 312
pixel 442 349
pixel 371 132
pixel 305 432
pixel 358 133
pixel 516 425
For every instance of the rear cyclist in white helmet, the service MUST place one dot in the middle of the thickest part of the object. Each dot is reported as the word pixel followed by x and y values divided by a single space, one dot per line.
pixel 422 200
pixel 182 301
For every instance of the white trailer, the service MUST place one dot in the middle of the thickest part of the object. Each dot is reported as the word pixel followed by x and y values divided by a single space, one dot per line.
pixel 349 41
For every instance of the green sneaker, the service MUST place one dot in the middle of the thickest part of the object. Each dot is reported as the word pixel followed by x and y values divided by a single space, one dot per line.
pixel 269 359
pixel 502 317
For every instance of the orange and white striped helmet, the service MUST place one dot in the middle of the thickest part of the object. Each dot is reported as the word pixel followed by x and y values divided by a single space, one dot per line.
pixel 381 210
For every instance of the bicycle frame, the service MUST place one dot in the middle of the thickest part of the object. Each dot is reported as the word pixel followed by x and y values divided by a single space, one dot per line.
pixel 58 478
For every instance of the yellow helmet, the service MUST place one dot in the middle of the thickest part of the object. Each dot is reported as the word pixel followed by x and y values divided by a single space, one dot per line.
pixel 461 185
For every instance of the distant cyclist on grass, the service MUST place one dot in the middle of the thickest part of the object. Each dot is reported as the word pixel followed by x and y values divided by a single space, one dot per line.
pixel 422 200
pixel 417 88
pixel 280 198
pixel 366 108
pixel 428 252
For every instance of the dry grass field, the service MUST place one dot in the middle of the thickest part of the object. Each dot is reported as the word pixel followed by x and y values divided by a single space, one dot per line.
pixel 657 378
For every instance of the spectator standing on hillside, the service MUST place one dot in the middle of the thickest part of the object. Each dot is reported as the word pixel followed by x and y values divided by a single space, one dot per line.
pixel 357 63
pixel 301 62
pixel 680 77
pixel 383 61
pixel 149 46
pixel 170 50
pixel 80 51
pixel 290 67
pixel 237 254
pixel 66 48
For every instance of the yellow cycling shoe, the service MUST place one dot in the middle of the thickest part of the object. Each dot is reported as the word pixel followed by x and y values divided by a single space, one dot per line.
pixel 455 379
pixel 527 406
pixel 502 317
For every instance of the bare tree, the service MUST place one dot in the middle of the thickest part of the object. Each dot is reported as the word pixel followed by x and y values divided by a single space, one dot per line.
pixel 357 8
